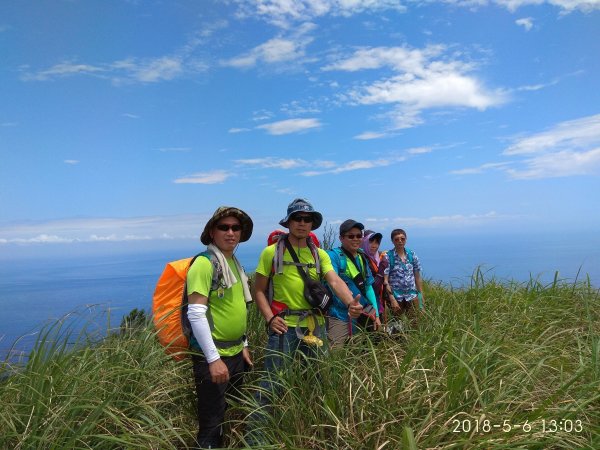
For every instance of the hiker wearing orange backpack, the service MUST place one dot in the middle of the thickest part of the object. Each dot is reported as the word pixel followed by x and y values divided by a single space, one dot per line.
pixel 217 317
pixel 290 296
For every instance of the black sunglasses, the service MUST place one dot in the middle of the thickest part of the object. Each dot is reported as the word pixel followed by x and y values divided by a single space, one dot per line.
pixel 354 236
pixel 305 219
pixel 226 227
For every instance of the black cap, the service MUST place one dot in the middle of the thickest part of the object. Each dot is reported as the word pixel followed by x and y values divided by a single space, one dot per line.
pixel 347 225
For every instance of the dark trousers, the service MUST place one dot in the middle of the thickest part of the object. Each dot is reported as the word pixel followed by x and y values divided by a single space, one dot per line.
pixel 210 398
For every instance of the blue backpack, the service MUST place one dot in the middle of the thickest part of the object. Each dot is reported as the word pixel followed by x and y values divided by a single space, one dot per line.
pixel 392 259
pixel 344 260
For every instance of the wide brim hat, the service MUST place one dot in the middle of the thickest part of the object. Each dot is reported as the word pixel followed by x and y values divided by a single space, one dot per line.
pixel 302 205
pixel 228 211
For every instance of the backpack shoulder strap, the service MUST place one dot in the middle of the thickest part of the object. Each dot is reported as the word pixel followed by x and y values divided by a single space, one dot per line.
pixel 365 263
pixel 343 259
pixel 277 266
pixel 391 259
pixel 217 273
pixel 348 256
pixel 315 253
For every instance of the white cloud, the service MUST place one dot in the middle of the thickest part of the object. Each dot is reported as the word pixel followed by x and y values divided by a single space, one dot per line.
pixel 434 90
pixel 146 70
pixel 181 62
pixel 214 177
pixel 573 134
pixel 64 69
pixel 290 126
pixel 570 148
pixel 480 169
pixel 525 22
pixel 284 13
pixel 275 51
pixel 297 108
pixel 261 115
pixel 356 165
pixel 273 163
pixel 401 59
pixel 369 135
pixel 566 6
pixel 419 150
pixel 452 220
pixel 70 231
pixel 424 79
pixel 560 164
pixel 71 162
pixel 238 130
pixel 150 70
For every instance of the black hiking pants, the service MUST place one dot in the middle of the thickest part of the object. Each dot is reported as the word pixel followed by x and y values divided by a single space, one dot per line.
pixel 211 398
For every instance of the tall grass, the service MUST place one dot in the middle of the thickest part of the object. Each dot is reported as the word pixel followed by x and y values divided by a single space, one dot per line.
pixel 121 392
pixel 501 357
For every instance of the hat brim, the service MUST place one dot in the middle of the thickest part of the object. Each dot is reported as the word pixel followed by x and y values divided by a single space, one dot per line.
pixel 373 236
pixel 349 224
pixel 228 211
pixel 317 219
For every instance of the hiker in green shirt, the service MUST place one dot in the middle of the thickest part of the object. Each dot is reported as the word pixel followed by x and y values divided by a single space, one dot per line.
pixel 217 316
pixel 293 324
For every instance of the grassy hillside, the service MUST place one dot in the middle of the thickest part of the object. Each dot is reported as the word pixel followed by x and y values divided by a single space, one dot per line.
pixel 494 365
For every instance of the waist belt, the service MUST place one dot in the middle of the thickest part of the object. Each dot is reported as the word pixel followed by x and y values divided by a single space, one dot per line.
pixel 302 314
pixel 227 344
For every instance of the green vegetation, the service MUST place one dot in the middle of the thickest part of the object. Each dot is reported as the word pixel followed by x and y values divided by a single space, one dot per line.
pixel 487 366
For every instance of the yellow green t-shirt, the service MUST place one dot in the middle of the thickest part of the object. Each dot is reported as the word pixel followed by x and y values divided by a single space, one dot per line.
pixel 288 287
pixel 227 315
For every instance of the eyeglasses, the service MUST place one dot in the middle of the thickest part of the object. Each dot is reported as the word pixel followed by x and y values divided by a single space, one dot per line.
pixel 227 227
pixel 305 219
pixel 399 239
pixel 354 236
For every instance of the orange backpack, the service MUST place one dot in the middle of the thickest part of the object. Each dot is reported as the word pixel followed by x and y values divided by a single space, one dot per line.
pixel 169 304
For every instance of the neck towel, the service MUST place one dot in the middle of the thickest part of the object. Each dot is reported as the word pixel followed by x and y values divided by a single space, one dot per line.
pixel 228 276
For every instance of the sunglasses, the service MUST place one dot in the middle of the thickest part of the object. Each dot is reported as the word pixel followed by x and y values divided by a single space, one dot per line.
pixel 399 239
pixel 354 236
pixel 226 227
pixel 305 219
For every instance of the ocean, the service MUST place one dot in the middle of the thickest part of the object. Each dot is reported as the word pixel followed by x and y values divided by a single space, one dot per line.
pixel 102 289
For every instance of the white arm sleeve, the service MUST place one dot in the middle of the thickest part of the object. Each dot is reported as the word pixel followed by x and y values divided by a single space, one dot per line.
pixel 197 316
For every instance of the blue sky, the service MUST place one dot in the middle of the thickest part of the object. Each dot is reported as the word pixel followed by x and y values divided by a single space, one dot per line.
pixel 131 121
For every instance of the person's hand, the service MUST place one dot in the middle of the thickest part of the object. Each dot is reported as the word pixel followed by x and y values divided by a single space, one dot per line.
pixel 355 308
pixel 278 325
pixel 377 324
pixel 394 304
pixel 218 371
pixel 247 357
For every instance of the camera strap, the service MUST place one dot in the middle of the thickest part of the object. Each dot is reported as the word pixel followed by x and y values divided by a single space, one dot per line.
pixel 359 279
pixel 298 264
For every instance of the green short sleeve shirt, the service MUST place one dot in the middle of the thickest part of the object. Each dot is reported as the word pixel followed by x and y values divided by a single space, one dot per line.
pixel 227 315
pixel 288 287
